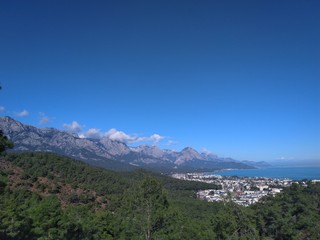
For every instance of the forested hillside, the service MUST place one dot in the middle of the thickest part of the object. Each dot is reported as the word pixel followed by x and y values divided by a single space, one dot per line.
pixel 46 196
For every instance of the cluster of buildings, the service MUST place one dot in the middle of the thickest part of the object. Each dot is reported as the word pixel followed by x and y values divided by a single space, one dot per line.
pixel 241 190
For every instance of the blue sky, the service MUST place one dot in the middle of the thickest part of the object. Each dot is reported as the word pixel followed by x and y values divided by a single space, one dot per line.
pixel 237 78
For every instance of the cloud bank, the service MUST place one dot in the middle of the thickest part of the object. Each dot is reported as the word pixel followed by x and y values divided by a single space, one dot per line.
pixel 112 134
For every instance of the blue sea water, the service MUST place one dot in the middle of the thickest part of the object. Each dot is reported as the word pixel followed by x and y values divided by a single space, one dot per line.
pixel 293 173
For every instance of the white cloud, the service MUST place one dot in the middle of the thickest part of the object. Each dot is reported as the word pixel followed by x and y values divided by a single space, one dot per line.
pixel 206 151
pixel 114 134
pixel 23 113
pixel 156 138
pixel 92 133
pixel 43 119
pixel 2 109
pixel 74 127
pixel 171 142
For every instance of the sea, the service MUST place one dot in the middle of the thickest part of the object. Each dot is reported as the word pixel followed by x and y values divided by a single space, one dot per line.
pixel 293 173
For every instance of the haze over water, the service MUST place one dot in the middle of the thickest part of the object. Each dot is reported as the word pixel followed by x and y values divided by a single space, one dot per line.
pixel 294 173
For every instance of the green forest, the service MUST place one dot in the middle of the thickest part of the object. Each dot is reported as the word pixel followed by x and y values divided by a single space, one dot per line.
pixel 47 196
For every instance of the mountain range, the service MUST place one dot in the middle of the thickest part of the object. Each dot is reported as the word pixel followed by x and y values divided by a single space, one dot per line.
pixel 113 154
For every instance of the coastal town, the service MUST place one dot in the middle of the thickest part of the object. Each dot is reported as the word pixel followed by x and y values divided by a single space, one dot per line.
pixel 241 190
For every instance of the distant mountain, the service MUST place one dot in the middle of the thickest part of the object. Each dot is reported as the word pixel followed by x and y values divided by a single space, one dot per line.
pixel 29 138
pixel 188 154
pixel 260 164
pixel 112 154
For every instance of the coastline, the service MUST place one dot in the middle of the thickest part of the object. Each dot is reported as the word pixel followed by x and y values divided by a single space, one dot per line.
pixel 294 172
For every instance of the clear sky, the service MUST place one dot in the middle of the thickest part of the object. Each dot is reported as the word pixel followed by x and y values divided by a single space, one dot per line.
pixel 238 78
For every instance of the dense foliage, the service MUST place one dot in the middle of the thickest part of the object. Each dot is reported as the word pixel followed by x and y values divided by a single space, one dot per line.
pixel 5 143
pixel 45 196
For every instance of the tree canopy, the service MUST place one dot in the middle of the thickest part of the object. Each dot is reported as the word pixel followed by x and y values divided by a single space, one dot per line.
pixel 5 143
pixel 46 196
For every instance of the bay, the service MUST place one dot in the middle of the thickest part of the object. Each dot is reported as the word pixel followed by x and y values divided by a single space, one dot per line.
pixel 293 173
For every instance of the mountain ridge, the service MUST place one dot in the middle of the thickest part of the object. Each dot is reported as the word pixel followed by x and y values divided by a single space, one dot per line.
pixel 110 153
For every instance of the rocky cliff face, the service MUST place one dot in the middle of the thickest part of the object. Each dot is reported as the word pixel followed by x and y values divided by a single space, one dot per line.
pixel 29 138
pixel 106 152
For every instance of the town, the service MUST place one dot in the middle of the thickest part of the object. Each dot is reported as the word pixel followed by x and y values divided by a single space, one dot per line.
pixel 241 190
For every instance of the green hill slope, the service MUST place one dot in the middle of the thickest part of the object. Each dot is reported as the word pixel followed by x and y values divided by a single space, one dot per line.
pixel 46 196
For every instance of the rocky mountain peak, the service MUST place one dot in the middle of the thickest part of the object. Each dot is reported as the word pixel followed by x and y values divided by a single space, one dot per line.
pixel 9 124
pixel 189 149
pixel 151 150
pixel 188 154
pixel 114 147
